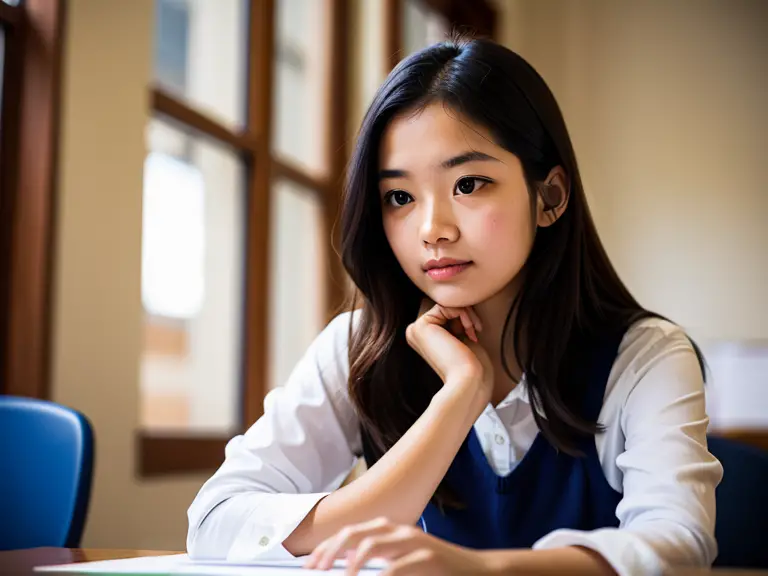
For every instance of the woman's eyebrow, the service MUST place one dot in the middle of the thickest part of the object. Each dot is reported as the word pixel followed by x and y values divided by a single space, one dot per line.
pixel 384 174
pixel 473 156
pixel 463 158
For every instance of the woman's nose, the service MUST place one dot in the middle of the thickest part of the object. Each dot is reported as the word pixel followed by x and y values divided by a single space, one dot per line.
pixel 439 224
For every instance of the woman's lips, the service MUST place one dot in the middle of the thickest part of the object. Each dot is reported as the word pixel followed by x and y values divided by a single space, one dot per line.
pixel 447 272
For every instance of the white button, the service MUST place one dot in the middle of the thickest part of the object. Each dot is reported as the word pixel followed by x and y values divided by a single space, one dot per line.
pixel 499 439
pixel 264 541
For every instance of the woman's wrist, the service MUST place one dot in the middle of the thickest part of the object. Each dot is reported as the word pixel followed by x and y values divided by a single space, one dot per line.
pixel 466 392
pixel 498 562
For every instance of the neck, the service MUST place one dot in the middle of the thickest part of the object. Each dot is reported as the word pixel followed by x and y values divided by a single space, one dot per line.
pixel 493 313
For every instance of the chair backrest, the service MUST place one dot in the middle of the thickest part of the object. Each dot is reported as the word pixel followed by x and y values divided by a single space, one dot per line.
pixel 741 528
pixel 46 457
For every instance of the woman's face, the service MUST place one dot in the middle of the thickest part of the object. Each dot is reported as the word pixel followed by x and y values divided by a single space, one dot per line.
pixel 456 209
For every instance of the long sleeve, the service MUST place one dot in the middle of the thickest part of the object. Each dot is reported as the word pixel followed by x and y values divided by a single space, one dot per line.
pixel 302 448
pixel 667 513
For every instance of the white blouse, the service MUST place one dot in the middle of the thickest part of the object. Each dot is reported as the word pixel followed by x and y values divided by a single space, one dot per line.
pixel 653 451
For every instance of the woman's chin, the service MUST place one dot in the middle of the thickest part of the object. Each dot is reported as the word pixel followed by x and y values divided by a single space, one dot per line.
pixel 452 297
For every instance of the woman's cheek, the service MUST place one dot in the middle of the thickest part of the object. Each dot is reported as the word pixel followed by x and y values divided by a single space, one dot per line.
pixel 404 242
pixel 502 233
pixel 489 228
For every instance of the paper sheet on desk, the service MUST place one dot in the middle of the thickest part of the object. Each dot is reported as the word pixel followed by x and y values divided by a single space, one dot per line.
pixel 181 564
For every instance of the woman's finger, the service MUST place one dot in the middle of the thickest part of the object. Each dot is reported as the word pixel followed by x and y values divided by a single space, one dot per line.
pixel 466 317
pixel 469 327
pixel 318 554
pixel 392 545
pixel 346 539
pixel 447 318
pixel 417 562
pixel 475 319
pixel 441 314
pixel 335 548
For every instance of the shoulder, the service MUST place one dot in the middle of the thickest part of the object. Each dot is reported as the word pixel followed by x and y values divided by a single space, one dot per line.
pixel 320 378
pixel 655 358
pixel 330 349
pixel 649 341
pixel 338 331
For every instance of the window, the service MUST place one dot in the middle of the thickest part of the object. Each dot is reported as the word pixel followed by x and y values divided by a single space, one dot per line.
pixel 298 294
pixel 29 77
pixel 411 25
pixel 300 234
pixel 300 97
pixel 192 282
pixel 172 44
pixel 241 184
pixel 422 26
pixel 201 56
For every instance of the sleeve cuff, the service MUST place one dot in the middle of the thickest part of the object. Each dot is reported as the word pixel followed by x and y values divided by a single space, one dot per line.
pixel 627 554
pixel 269 524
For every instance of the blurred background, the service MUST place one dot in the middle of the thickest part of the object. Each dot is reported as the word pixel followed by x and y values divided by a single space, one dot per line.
pixel 171 174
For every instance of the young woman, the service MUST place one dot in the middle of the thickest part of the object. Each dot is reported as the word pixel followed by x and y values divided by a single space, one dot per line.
pixel 518 410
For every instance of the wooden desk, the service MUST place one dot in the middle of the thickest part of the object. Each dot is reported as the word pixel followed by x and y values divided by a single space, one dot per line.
pixel 22 562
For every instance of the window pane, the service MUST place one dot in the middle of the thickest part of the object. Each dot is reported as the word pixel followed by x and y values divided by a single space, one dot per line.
pixel 422 26
pixel 301 91
pixel 201 54
pixel 192 283
pixel 297 276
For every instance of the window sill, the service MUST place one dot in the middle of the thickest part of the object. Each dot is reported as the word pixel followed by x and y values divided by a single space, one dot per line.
pixel 169 454
pixel 160 454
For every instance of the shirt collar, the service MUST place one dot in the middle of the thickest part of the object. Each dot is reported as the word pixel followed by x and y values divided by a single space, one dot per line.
pixel 519 392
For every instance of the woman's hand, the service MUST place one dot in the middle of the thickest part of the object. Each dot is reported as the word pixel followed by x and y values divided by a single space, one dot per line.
pixel 407 549
pixel 447 340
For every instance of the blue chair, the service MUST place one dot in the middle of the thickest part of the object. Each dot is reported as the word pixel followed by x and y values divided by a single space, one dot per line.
pixel 741 527
pixel 46 458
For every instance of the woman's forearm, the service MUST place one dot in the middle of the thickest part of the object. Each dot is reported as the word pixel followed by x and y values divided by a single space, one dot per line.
pixel 573 560
pixel 401 483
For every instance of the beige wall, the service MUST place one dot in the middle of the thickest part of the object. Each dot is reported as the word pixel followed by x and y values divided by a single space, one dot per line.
pixel 97 296
pixel 666 105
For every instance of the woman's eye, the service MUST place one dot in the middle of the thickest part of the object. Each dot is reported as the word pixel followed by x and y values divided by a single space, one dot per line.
pixel 470 184
pixel 399 198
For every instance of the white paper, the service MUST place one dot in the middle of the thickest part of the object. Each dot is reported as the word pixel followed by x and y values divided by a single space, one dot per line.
pixel 181 564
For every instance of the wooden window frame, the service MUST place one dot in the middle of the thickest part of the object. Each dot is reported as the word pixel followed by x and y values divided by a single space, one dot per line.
pixel 28 162
pixel 477 16
pixel 162 453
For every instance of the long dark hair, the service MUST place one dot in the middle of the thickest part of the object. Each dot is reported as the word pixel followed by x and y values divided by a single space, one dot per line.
pixel 570 295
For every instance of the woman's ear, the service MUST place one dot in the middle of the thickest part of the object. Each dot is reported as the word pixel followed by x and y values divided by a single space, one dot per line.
pixel 553 195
